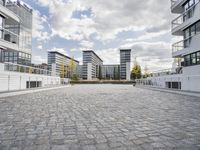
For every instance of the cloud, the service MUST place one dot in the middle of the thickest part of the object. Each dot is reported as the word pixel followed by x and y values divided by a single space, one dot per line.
pixel 107 18
pixel 104 21
pixel 86 44
pixel 39 60
pixel 39 21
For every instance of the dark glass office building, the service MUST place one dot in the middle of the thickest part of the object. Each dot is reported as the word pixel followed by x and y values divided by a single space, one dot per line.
pixel 125 60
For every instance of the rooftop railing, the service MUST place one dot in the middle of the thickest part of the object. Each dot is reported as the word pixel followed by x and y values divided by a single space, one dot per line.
pixel 28 69
pixel 184 17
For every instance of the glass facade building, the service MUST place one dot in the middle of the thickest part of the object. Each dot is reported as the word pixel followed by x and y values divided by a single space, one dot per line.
pixel 61 63
pixel 90 57
pixel 125 57
pixel 18 33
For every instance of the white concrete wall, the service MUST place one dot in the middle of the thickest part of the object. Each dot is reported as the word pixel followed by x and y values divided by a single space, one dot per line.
pixel 128 72
pixel 89 71
pixel 17 81
pixel 191 70
pixel 188 82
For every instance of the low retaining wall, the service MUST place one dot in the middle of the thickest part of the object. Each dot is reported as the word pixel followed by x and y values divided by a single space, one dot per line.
pixel 101 82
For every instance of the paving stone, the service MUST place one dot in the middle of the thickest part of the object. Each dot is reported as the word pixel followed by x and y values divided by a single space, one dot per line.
pixel 99 117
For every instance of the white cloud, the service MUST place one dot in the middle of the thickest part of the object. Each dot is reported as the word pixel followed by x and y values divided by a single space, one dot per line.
pixel 108 17
pixel 39 60
pixel 107 20
pixel 86 44
pixel 38 26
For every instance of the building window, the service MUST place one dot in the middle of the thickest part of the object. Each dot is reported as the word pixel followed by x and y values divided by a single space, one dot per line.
pixel 192 30
pixel 187 60
pixel 198 57
pixel 198 28
pixel 193 59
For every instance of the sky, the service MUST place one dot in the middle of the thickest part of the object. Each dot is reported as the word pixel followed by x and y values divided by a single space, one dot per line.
pixel 105 26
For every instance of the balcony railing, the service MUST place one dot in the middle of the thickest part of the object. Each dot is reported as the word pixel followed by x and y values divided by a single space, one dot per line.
pixel 184 17
pixel 9 36
pixel 165 72
pixel 182 44
pixel 28 69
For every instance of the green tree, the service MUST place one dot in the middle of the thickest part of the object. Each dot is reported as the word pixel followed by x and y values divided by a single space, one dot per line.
pixel 71 69
pixel 62 70
pixel 136 72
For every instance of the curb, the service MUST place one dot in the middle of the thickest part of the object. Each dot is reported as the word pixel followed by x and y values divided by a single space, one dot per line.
pixel 16 93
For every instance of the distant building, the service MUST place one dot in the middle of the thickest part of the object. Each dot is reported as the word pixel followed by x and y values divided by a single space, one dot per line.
pixel 91 65
pixel 41 66
pixel 110 72
pixel 16 29
pixel 79 71
pixel 125 64
pixel 58 62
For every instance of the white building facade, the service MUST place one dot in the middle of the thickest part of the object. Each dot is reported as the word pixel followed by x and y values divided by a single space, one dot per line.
pixel 186 52
pixel 16 72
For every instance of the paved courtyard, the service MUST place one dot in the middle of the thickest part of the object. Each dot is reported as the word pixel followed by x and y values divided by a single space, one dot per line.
pixel 90 117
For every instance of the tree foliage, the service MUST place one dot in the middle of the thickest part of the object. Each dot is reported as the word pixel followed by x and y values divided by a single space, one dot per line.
pixel 136 72
pixel 71 68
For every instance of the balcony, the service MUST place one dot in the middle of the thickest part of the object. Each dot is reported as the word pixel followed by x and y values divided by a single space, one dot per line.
pixel 9 40
pixel 177 48
pixel 186 46
pixel 183 20
pixel 176 6
pixel 8 14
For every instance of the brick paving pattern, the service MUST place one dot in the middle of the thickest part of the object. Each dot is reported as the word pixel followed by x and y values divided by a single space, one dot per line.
pixel 100 117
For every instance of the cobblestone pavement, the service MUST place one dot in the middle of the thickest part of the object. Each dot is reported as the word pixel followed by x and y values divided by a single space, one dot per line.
pixel 90 117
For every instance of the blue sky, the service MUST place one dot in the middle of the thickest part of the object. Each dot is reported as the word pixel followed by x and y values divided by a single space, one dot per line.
pixel 70 26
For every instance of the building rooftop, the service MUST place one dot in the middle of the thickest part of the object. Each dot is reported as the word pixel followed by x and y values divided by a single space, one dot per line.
pixel 125 49
pixel 91 51
pixel 63 55
pixel 19 3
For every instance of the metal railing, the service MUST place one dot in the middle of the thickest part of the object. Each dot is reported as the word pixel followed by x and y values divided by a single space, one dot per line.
pixel 165 72
pixel 184 17
pixel 182 44
pixel 28 69
pixel 9 36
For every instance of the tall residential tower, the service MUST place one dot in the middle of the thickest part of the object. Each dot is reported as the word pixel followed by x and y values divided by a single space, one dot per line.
pixel 125 64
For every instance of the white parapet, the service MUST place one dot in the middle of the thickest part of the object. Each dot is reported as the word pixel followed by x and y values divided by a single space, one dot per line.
pixel 11 80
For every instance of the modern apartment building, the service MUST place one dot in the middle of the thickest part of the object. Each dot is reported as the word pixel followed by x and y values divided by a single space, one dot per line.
pixel 186 75
pixel 92 63
pixel 110 72
pixel 58 62
pixel 16 72
pixel 16 30
pixel 125 64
